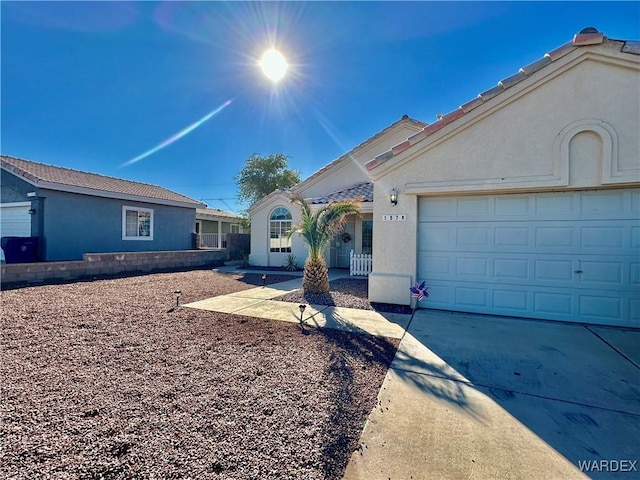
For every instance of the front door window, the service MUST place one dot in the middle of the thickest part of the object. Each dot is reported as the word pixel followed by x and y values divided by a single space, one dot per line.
pixel 367 237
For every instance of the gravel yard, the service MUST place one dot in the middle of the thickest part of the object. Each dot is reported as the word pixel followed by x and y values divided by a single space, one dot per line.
pixel 105 379
pixel 345 292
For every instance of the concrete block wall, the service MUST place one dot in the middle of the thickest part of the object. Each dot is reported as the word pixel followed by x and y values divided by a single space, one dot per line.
pixel 99 264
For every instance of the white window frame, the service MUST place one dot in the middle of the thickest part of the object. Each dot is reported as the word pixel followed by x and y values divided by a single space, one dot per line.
pixel 282 237
pixel 128 208
pixel 236 227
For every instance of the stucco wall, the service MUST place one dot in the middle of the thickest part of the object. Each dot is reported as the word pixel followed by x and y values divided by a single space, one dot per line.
pixel 260 254
pixel 13 189
pixel 576 127
pixel 78 224
pixel 353 170
pixel 347 174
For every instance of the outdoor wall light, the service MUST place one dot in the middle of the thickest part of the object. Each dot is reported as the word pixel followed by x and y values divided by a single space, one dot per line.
pixel 393 197
pixel 177 293
pixel 32 211
pixel 264 279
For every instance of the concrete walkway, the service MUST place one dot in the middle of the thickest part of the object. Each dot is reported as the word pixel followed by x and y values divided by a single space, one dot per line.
pixel 256 302
pixel 473 396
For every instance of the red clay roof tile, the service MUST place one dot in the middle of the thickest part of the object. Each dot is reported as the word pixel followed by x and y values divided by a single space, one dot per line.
pixel 588 36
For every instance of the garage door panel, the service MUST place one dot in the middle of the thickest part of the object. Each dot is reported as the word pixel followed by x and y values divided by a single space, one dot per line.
pixel 471 296
pixel 436 235
pixel 511 236
pixel 600 273
pixel 634 237
pixel 437 208
pixel 634 309
pixel 598 307
pixel 634 200
pixel 472 267
pixel 15 220
pixel 599 237
pixel 511 299
pixel 602 203
pixel 555 237
pixel 514 206
pixel 634 274
pixel 511 269
pixel 475 237
pixel 560 256
pixel 552 205
pixel 558 304
pixel 554 271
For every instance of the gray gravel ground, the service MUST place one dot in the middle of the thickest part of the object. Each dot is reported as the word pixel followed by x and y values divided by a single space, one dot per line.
pixel 105 379
pixel 345 292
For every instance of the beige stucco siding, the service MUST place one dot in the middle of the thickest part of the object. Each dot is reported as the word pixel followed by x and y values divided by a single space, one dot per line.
pixel 344 173
pixel 352 170
pixel 574 127
pixel 516 145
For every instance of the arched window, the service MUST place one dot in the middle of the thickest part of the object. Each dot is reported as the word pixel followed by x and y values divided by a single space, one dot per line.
pixel 279 226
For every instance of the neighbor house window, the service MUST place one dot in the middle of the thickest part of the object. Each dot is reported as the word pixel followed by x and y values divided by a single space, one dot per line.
pixel 137 223
pixel 235 228
pixel 279 226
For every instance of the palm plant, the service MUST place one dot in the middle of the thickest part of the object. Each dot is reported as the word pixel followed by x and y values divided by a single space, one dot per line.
pixel 318 228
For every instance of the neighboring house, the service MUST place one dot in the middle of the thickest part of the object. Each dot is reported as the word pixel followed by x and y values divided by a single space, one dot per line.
pixel 346 177
pixel 525 201
pixel 73 212
pixel 213 225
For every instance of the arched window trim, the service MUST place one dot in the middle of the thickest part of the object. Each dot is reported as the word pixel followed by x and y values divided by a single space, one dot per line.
pixel 280 222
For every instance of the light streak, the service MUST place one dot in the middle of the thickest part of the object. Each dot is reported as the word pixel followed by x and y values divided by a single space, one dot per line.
pixel 177 136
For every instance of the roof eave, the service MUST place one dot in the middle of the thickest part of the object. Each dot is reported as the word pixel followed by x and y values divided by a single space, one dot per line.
pixel 468 113
pixel 120 196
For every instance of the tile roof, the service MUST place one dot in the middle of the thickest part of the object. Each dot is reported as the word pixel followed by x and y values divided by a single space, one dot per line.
pixel 363 190
pixel 216 212
pixel 342 158
pixel 587 36
pixel 66 179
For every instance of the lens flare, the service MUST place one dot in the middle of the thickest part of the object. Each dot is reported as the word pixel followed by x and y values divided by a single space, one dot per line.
pixel 178 135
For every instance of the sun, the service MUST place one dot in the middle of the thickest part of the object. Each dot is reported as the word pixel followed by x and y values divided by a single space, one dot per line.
pixel 273 65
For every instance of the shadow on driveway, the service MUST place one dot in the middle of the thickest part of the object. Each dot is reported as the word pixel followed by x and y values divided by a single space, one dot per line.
pixel 568 385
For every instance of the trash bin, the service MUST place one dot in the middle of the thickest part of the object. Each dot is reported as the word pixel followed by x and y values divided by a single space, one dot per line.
pixel 20 249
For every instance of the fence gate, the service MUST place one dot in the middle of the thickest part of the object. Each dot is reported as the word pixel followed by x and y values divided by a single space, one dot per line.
pixel 360 264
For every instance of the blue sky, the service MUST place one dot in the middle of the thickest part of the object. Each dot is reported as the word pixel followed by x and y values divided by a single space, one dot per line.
pixel 93 85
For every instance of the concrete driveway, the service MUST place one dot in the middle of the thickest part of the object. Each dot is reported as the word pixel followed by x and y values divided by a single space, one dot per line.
pixel 472 396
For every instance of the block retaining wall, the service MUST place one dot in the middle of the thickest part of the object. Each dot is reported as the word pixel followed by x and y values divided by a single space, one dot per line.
pixel 106 264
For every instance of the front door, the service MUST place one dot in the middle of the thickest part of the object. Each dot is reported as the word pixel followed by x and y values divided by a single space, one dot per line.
pixel 345 242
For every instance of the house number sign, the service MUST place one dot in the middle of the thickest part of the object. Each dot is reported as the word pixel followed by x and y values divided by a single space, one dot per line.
pixel 394 218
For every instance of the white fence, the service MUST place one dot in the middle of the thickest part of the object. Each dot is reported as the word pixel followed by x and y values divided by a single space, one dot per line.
pixel 211 240
pixel 360 264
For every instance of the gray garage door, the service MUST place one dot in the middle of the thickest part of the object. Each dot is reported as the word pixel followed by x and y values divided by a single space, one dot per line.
pixel 571 256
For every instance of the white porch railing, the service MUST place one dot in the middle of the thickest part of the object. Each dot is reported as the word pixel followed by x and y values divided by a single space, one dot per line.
pixel 212 240
pixel 360 263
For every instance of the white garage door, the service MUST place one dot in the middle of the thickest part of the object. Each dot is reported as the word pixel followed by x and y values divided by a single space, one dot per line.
pixel 571 256
pixel 15 220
